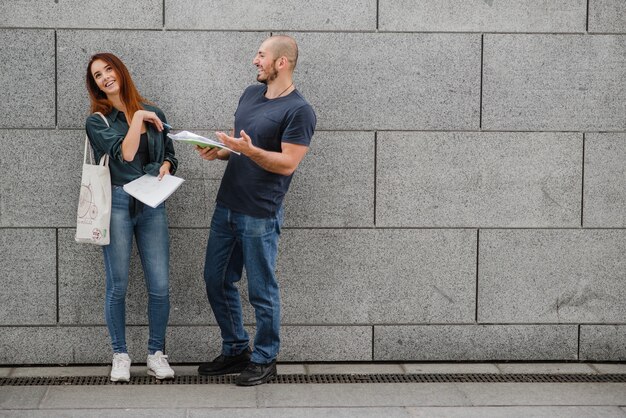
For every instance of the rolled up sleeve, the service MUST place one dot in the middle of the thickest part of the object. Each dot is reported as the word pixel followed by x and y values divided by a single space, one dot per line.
pixel 104 139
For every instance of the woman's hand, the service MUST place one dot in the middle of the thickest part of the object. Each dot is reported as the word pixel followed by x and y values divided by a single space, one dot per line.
pixel 165 169
pixel 151 117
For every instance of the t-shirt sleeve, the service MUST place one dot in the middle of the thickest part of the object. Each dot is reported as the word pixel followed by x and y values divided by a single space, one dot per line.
pixel 300 126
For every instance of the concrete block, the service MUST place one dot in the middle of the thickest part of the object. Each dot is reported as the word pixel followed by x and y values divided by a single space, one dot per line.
pixel 144 14
pixel 201 92
pixel 323 15
pixel 549 394
pixel 553 82
pixel 514 411
pixel 82 285
pixel 26 77
pixel 334 184
pixel 40 189
pixel 470 179
pixel 28 270
pixel 605 181
pixel 451 368
pixel 19 397
pixel 546 368
pixel 483 16
pixel 325 343
pixel 54 345
pixel 475 342
pixel 359 395
pixel 56 371
pixel 422 276
pixel 192 205
pixel 396 81
pixel 355 368
pixel 609 368
pixel 607 16
pixel 305 412
pixel 155 397
pixel 603 342
pixel 549 276
pixel 193 344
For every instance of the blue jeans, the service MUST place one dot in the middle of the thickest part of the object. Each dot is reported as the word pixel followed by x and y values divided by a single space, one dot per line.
pixel 236 241
pixel 149 226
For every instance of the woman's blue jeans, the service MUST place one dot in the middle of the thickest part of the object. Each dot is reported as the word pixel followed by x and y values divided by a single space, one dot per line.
pixel 236 241
pixel 149 226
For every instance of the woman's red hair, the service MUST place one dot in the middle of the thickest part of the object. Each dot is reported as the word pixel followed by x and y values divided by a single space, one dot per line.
pixel 128 92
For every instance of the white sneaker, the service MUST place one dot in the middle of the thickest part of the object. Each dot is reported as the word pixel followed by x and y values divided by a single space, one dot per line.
pixel 120 371
pixel 158 366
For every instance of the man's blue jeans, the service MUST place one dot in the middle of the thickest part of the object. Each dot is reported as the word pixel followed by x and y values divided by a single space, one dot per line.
pixel 149 226
pixel 237 240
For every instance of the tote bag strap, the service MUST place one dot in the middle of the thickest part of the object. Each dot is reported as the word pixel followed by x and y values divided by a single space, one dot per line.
pixel 104 161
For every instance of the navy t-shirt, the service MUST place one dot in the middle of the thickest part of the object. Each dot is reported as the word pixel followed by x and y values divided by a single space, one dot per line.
pixel 246 187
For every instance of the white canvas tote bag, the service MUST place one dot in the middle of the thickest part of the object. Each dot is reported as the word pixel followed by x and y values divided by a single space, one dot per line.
pixel 94 204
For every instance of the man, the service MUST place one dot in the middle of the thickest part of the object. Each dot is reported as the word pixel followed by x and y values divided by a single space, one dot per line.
pixel 275 124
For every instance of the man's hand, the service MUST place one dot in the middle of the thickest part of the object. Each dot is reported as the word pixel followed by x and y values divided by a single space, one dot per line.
pixel 242 145
pixel 208 153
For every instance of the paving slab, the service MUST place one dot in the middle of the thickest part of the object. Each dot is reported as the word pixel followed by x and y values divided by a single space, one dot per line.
pixel 165 396
pixel 607 368
pixel 21 397
pixel 5 371
pixel 570 394
pixel 393 412
pixel 353 395
pixel 291 369
pixel 97 413
pixel 450 368
pixel 518 411
pixel 352 368
pixel 546 368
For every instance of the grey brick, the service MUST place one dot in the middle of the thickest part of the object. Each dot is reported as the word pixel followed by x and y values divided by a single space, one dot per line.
pixel 54 345
pixel 40 188
pixel 326 15
pixel 548 276
pixel 82 281
pixel 391 81
pixel 27 78
pixel 191 206
pixel 607 16
pixel 196 78
pixel 467 179
pixel 554 82
pixel 605 180
pixel 334 184
pixel 483 16
pixel 325 343
pixel 476 342
pixel 144 14
pixel 28 270
pixel 377 276
pixel 603 342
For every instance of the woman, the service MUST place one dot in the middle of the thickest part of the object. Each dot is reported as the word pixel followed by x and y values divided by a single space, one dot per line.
pixel 136 141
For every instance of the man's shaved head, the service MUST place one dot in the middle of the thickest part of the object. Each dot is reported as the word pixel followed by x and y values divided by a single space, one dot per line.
pixel 284 46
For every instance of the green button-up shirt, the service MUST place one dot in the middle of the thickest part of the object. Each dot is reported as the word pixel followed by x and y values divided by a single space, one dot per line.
pixel 108 139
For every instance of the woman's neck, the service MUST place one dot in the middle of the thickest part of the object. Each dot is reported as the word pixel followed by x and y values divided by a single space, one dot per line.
pixel 117 103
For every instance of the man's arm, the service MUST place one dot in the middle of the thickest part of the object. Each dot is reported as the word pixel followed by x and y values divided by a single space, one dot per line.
pixel 284 163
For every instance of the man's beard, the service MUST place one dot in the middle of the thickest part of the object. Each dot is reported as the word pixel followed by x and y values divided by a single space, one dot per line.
pixel 271 76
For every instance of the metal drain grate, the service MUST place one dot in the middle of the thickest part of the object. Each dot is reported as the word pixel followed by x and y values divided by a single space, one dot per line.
pixel 323 379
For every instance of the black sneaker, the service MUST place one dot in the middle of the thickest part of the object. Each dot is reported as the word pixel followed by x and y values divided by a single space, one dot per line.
pixel 257 374
pixel 226 364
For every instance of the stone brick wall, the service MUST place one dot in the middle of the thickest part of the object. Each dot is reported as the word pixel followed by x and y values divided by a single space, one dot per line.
pixel 464 197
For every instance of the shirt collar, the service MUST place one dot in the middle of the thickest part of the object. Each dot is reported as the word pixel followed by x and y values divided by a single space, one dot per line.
pixel 113 114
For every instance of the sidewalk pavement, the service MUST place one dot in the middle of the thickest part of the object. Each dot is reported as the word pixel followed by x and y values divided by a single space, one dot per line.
pixel 387 400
